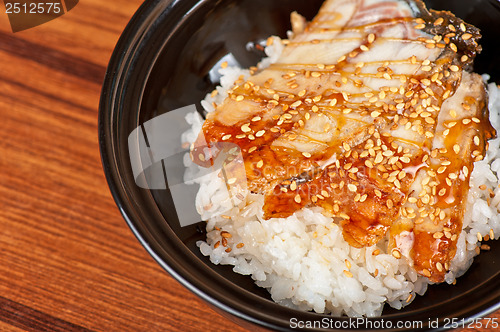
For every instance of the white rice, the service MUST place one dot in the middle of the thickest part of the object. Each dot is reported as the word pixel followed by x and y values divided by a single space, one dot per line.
pixel 301 260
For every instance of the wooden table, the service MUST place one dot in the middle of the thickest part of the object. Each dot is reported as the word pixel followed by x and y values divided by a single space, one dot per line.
pixel 68 261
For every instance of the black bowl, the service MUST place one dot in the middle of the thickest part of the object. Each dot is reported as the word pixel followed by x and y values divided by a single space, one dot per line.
pixel 162 62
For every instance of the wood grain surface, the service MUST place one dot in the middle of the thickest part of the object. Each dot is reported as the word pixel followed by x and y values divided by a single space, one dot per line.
pixel 68 261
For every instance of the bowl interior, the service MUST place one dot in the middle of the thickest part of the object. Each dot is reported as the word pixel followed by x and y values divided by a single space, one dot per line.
pixel 164 61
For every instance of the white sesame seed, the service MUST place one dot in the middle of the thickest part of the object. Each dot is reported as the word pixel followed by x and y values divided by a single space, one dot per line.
pixel 245 128
pixel 396 253
pixel 348 274
pixel 352 187
pixel 297 199
pixel 466 36
pixel 465 170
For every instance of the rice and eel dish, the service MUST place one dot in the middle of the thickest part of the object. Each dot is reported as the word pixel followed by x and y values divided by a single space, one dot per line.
pixel 367 158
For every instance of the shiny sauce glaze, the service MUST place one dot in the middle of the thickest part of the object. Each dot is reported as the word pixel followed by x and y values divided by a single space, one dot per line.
pixel 380 171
